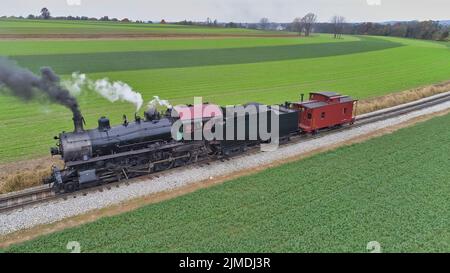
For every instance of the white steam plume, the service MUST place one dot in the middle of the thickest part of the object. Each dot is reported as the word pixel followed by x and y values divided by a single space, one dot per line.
pixel 157 101
pixel 76 84
pixel 118 91
pixel 112 91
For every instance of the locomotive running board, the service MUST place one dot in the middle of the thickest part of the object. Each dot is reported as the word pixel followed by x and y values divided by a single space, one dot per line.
pixel 130 153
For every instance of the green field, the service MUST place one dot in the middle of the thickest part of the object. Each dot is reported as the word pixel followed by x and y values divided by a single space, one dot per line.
pixel 386 190
pixel 224 71
pixel 8 26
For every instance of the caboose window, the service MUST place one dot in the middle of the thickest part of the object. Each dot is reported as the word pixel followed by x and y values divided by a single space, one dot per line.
pixel 345 110
pixel 309 116
pixel 322 115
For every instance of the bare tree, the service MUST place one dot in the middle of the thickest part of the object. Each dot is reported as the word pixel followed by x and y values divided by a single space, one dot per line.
pixel 45 13
pixel 308 22
pixel 297 25
pixel 264 23
pixel 338 25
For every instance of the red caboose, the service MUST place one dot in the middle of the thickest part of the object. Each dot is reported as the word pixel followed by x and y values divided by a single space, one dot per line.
pixel 325 110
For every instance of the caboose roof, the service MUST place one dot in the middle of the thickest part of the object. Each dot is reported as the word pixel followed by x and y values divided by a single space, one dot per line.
pixel 313 104
pixel 346 99
pixel 327 94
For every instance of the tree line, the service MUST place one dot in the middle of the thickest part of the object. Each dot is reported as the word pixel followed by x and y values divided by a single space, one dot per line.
pixel 46 15
pixel 427 30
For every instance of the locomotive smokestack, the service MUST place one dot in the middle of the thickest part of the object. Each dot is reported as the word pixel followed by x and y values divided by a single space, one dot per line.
pixel 78 122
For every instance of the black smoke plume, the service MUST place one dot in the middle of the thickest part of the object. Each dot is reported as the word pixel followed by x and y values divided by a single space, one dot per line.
pixel 25 85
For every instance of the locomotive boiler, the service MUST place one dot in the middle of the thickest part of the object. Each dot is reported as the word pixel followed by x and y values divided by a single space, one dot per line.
pixel 87 144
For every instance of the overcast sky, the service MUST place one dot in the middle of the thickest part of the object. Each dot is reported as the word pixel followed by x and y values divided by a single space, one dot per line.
pixel 236 10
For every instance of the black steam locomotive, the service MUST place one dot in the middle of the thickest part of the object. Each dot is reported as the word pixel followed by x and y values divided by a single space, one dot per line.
pixel 107 154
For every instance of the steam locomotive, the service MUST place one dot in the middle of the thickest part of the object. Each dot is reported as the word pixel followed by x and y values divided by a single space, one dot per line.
pixel 107 154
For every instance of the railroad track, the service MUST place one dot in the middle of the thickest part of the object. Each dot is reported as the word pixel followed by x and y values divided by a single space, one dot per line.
pixel 41 194
pixel 26 197
pixel 402 109
pixel 44 193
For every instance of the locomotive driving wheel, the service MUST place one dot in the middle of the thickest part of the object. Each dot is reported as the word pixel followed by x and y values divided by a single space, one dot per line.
pixel 70 187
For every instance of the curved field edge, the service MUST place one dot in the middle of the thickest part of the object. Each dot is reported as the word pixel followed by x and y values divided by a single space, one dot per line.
pixel 386 189
pixel 145 60
pixel 47 47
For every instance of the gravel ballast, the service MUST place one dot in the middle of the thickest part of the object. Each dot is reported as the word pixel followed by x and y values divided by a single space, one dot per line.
pixel 60 209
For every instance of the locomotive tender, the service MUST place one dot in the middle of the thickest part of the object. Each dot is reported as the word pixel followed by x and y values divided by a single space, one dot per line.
pixel 106 154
